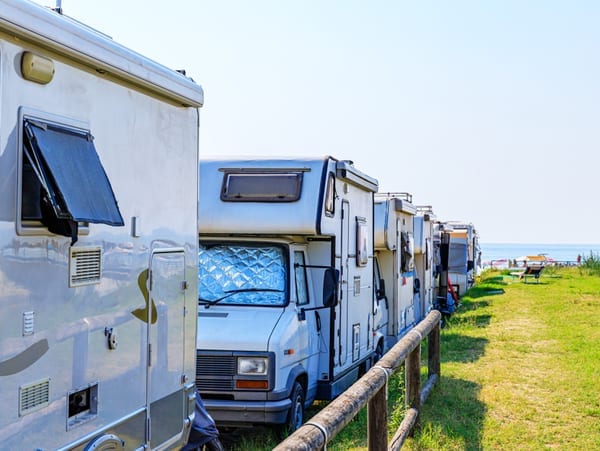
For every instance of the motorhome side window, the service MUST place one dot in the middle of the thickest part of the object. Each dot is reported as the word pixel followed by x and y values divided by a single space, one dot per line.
pixel 261 186
pixel 242 274
pixel 63 183
pixel 330 195
pixel 407 254
pixel 300 273
pixel 362 242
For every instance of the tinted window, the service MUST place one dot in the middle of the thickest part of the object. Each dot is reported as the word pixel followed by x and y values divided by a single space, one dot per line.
pixel 63 180
pixel 362 242
pixel 263 187
pixel 301 284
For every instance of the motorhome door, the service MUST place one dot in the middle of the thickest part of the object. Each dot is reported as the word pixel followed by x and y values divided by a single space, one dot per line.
pixel 165 336
pixel 309 330
pixel 341 334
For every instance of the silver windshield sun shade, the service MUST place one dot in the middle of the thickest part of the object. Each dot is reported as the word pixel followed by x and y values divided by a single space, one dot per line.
pixel 242 274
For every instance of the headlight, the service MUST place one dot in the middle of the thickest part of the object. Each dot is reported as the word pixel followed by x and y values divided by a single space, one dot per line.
pixel 258 366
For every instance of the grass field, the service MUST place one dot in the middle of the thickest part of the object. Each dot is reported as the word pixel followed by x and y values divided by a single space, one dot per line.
pixel 520 371
pixel 520 367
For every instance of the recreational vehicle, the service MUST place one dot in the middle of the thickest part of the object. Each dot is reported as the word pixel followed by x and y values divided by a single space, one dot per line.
pixel 424 258
pixel 463 256
pixel 285 269
pixel 397 292
pixel 445 296
pixel 98 245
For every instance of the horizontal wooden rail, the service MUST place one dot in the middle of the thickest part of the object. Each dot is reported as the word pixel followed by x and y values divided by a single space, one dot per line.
pixel 372 389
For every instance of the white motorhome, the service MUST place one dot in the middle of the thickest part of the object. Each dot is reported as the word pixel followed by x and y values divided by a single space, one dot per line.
pixel 445 295
pixel 285 272
pixel 98 239
pixel 426 270
pixel 398 301
pixel 462 256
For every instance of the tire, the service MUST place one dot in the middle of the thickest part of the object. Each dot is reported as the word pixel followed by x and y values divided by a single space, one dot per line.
pixel 296 415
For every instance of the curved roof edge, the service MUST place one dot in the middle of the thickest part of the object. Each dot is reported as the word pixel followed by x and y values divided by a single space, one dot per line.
pixel 67 37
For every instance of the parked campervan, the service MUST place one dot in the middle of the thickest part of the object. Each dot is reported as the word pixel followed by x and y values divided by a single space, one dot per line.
pixel 446 297
pixel 463 253
pixel 285 270
pixel 98 245
pixel 426 270
pixel 397 294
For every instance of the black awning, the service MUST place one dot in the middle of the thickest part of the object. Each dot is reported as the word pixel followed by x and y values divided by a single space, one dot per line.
pixel 70 170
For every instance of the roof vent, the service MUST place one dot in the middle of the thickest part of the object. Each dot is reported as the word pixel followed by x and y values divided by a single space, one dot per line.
pixel 85 265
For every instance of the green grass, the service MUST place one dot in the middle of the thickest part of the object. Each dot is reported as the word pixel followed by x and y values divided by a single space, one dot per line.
pixel 520 370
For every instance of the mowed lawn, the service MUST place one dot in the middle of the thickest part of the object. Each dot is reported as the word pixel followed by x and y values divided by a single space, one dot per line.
pixel 520 367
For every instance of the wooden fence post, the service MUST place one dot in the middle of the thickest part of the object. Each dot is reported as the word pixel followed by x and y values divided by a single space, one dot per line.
pixel 413 382
pixel 433 359
pixel 377 419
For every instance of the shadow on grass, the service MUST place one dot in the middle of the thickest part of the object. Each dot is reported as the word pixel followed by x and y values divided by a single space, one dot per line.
pixel 451 416
pixel 461 348
pixel 467 304
pixel 478 292
pixel 257 437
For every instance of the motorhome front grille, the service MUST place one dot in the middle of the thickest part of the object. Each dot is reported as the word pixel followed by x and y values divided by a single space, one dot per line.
pixel 34 396
pixel 214 384
pixel 216 365
pixel 215 372
pixel 85 266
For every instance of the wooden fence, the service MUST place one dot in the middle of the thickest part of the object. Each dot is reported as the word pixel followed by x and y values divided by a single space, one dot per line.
pixel 371 389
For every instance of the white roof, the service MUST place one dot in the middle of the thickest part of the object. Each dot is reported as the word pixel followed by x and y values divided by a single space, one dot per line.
pixel 67 37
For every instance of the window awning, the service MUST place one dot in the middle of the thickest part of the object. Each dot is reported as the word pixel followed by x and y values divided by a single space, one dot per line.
pixel 70 170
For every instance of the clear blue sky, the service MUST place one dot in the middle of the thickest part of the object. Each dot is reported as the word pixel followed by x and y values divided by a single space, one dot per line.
pixel 486 110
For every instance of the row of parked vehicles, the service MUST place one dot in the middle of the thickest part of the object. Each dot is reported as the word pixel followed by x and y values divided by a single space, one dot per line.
pixel 128 277
pixel 308 275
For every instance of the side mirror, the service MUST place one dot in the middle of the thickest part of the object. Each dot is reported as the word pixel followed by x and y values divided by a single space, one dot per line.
pixel 380 293
pixel 416 286
pixel 331 278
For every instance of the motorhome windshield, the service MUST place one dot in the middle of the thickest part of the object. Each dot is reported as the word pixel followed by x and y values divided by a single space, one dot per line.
pixel 242 274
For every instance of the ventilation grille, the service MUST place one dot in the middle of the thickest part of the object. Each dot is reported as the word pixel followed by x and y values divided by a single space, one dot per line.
pixel 215 372
pixel 34 396
pixel 85 265
pixel 28 323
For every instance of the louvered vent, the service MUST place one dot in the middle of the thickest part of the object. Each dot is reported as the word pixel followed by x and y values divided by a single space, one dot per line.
pixel 85 264
pixel 34 396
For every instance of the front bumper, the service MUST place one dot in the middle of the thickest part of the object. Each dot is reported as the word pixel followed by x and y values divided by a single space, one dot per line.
pixel 236 413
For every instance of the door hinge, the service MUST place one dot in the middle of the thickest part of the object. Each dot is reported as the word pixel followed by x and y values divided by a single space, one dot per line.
pixel 149 354
pixel 184 285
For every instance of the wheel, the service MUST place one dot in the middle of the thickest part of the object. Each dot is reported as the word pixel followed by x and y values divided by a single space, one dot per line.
pixel 296 414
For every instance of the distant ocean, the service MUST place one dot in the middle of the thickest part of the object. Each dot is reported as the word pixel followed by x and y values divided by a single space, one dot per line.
pixel 491 252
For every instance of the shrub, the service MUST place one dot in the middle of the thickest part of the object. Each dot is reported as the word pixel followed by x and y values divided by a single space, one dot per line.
pixel 591 263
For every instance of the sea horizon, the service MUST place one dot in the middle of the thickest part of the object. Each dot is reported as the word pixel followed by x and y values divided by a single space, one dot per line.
pixel 558 252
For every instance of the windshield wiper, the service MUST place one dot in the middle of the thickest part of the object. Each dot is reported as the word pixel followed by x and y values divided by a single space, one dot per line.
pixel 208 302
